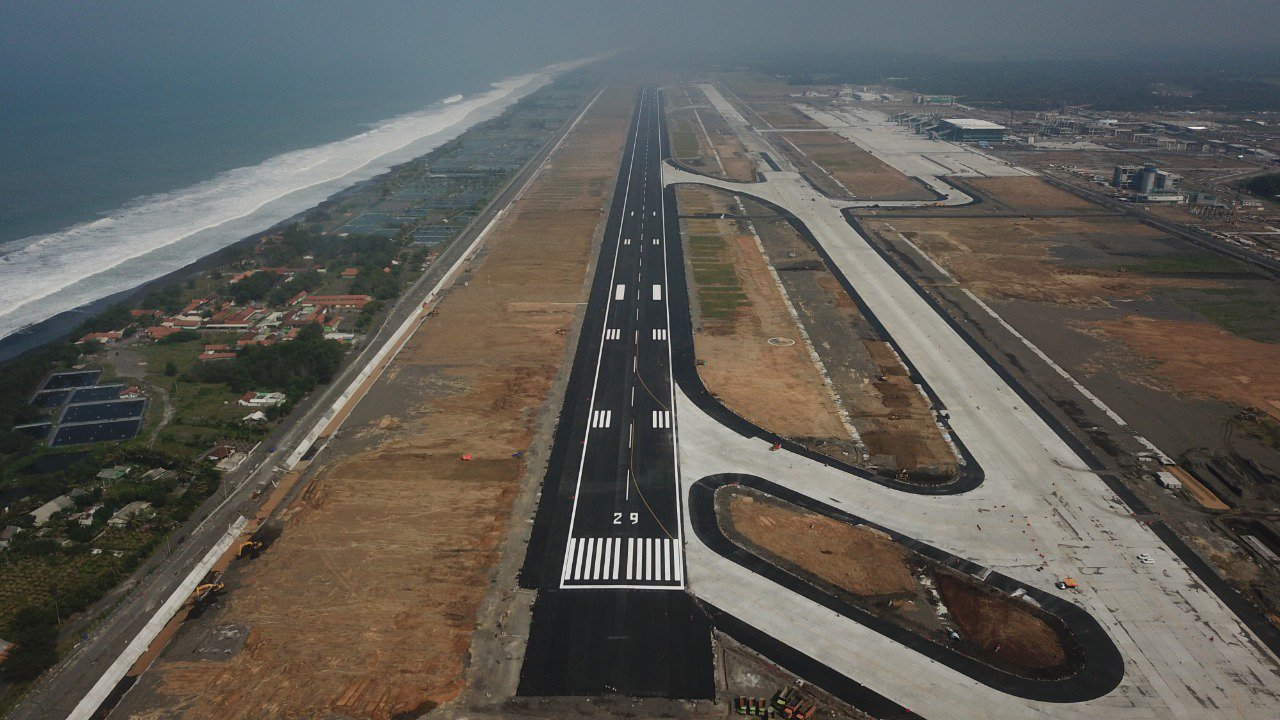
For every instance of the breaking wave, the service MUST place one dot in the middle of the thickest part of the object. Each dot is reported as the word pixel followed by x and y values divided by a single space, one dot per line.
pixel 44 275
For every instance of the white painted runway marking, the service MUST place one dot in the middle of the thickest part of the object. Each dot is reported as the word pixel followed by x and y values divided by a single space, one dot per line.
pixel 653 560
pixel 601 418
pixel 662 418
pixel 657 292
pixel 626 241
pixel 655 241
pixel 659 334
pixel 613 334
pixel 620 292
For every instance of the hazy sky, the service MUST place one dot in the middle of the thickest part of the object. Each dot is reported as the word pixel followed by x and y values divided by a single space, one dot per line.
pixel 50 38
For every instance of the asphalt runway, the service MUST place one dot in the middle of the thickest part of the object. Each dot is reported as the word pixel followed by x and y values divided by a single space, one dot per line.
pixel 607 551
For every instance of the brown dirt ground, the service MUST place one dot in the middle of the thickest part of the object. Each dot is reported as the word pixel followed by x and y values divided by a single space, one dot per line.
pixel 1029 194
pixel 896 424
pixel 1201 359
pixel 1007 630
pixel 778 388
pixel 856 169
pixel 854 558
pixel 783 114
pixel 366 604
pixel 1196 490
pixel 1010 258
pixel 738 166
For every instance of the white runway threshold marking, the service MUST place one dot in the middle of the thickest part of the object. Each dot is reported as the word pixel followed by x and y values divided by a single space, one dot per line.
pixel 657 292
pixel 620 292
pixel 662 418
pixel 613 334
pixel 601 418
pixel 653 560
pixel 659 334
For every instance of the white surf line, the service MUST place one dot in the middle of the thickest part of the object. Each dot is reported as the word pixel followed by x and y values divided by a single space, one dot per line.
pixel 671 382
pixel 1097 401
pixel 483 101
pixel 595 383
pixel 85 709
pixel 235 528
pixel 394 344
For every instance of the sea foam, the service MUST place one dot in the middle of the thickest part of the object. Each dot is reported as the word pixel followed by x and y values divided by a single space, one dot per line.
pixel 43 275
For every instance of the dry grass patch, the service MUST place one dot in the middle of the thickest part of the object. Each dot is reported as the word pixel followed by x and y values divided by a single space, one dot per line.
pixel 1012 258
pixel 1201 359
pixel 1029 194
pixel 853 171
pixel 740 308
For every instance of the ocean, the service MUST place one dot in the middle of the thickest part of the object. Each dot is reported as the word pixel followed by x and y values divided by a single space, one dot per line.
pixel 108 187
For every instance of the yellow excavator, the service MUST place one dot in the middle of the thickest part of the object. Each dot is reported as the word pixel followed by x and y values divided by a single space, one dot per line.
pixel 250 548
pixel 207 590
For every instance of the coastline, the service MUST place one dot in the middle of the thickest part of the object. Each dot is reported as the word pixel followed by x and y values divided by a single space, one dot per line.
pixel 64 321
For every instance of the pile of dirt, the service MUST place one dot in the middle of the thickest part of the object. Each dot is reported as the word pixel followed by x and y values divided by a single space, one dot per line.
pixel 1202 359
pixel 1008 631
pixel 366 604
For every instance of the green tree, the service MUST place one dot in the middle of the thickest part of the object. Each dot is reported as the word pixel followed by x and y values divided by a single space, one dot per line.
pixel 170 368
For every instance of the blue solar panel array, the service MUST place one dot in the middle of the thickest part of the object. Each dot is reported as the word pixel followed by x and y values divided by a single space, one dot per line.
pixel 89 412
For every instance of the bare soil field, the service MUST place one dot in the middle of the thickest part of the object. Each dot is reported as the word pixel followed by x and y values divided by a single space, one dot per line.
pixel 880 575
pixel 895 423
pixel 783 114
pixel 845 170
pixel 1028 194
pixel 365 605
pixel 775 386
pixel 1039 258
pixel 702 140
pixel 1202 359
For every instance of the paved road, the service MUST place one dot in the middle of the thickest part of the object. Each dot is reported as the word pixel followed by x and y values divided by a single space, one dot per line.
pixel 60 690
pixel 607 553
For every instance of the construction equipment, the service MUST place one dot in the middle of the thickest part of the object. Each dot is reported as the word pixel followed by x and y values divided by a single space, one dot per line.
pixel 782 697
pixel 804 713
pixel 1066 584
pixel 740 705
pixel 789 710
pixel 249 547
pixel 207 590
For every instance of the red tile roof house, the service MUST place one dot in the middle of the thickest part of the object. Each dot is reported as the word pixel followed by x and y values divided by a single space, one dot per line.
pixel 350 273
pixel 339 301
pixel 233 318
pixel 204 357
pixel 160 331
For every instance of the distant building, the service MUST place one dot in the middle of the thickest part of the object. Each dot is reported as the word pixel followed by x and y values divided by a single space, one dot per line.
pixel 263 399
pixel 935 100
pixel 113 474
pixel 51 508
pixel 124 514
pixel 970 130
pixel 339 301
pixel 1149 183
pixel 101 337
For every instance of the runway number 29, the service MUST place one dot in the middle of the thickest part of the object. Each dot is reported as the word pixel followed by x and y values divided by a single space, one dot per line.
pixel 633 517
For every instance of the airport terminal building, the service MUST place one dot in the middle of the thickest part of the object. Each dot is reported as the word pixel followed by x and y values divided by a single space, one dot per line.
pixel 970 130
